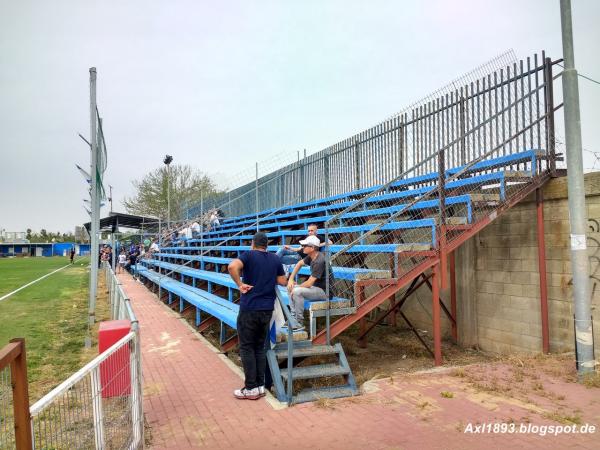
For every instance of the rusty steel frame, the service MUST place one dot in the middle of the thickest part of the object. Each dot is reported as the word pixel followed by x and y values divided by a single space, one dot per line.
pixel 392 286
pixel 453 295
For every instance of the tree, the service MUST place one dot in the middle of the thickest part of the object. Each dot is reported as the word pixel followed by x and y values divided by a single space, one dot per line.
pixel 188 185
pixel 28 237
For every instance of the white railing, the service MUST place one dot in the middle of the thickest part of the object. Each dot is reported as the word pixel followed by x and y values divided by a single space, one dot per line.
pixel 99 406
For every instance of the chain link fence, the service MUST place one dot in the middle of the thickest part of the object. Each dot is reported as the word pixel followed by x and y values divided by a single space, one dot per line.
pixel 100 406
pixel 7 429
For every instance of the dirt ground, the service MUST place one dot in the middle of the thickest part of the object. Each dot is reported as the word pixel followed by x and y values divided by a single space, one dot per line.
pixel 394 352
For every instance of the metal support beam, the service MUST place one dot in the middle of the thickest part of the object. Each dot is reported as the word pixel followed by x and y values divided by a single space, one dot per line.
pixel 95 204
pixel 435 313
pixel 541 242
pixel 453 296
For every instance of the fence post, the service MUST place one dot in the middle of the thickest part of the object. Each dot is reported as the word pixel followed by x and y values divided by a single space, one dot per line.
pixel 20 390
pixel 301 177
pixel 135 394
pixel 326 174
pixel 550 142
pixel 463 131
pixel 356 164
pixel 97 407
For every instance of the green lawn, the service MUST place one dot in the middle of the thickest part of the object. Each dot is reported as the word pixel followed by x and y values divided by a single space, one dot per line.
pixel 15 272
pixel 51 315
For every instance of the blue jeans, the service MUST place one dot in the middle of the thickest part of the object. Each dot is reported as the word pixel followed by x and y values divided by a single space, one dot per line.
pixel 288 257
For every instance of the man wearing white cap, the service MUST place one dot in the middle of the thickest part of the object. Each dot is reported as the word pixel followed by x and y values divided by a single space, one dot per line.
pixel 314 287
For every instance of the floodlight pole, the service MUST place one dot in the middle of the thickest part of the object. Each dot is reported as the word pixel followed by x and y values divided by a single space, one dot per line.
pixel 168 160
pixel 580 265
pixel 257 209
pixel 94 200
pixel 168 195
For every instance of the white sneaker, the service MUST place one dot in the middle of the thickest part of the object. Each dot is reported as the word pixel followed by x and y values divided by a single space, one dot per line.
pixel 247 394
pixel 262 391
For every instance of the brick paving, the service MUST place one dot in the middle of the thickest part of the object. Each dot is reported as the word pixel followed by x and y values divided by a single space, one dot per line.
pixel 188 403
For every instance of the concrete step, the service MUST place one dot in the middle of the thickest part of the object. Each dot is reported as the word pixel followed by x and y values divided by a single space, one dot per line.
pixel 310 395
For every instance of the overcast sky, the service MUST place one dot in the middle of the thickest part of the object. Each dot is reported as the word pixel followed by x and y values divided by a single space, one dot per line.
pixel 221 84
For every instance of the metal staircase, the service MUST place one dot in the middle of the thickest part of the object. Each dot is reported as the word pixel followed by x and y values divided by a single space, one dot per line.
pixel 293 360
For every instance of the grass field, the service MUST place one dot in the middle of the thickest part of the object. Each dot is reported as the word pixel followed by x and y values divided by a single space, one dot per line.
pixel 51 315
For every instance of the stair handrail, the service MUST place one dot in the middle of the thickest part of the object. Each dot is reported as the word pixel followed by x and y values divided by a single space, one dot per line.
pixel 291 321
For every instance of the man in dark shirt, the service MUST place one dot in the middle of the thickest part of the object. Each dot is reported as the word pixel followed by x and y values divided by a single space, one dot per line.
pixel 262 271
pixel 312 289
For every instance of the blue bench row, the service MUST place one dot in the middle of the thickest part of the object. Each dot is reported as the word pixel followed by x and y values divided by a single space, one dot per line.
pixel 497 178
pixel 465 200
pixel 529 156
pixel 341 273
pixel 404 225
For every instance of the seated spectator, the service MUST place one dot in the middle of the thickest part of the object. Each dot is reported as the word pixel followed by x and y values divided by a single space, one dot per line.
pixel 153 247
pixel 290 255
pixel 314 288
pixel 214 220
pixel 195 229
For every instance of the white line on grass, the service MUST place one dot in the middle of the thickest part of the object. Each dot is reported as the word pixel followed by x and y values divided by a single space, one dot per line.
pixel 34 281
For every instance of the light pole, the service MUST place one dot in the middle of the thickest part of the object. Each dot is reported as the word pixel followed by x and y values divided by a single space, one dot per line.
pixel 168 160
pixel 110 198
pixel 584 336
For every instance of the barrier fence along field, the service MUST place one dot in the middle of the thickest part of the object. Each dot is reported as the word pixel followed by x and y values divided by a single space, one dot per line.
pixel 14 397
pixel 100 406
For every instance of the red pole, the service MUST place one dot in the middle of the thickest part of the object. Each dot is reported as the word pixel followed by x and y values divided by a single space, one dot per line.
pixel 443 257
pixel 539 200
pixel 362 342
pixel 453 296
pixel 435 312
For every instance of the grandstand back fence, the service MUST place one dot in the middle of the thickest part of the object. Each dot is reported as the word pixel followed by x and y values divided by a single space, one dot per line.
pixel 409 139
pixel 99 406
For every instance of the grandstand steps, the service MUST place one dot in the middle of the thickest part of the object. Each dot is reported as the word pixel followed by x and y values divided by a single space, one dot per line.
pixel 395 236
pixel 308 364
pixel 315 394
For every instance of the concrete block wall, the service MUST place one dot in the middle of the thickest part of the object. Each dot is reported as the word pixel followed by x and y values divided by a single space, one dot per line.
pixel 502 305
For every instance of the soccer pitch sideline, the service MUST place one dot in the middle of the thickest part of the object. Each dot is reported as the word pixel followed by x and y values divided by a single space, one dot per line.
pixel 51 314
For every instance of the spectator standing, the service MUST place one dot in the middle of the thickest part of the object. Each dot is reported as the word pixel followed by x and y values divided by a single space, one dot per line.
pixel 315 286
pixel 262 271
pixel 122 261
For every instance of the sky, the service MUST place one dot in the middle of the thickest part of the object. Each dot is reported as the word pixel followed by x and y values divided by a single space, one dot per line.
pixel 222 85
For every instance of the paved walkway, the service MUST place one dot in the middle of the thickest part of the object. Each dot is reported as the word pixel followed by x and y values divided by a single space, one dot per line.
pixel 188 403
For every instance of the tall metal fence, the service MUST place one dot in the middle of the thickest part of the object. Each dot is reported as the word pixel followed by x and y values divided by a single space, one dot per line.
pixel 441 196
pixel 99 406
pixel 387 150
